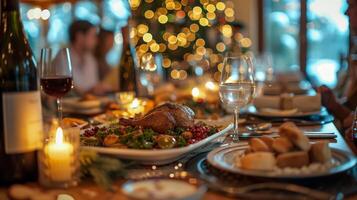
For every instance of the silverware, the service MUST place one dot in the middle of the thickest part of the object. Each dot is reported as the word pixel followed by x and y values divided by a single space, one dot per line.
pixel 249 191
pixel 259 127
pixel 313 135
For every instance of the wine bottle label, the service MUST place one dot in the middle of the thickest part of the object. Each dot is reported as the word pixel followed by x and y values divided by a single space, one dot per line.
pixel 22 121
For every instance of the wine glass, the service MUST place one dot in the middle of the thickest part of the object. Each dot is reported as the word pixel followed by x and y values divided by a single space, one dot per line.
pixel 150 75
pixel 56 76
pixel 237 85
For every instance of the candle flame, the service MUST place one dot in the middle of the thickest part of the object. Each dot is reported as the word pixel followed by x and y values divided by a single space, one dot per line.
pixel 195 92
pixel 59 135
pixel 135 103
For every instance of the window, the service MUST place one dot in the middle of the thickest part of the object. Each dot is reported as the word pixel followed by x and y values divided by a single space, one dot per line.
pixel 326 36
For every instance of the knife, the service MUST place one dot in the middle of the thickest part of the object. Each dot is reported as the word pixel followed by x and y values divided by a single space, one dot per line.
pixel 312 135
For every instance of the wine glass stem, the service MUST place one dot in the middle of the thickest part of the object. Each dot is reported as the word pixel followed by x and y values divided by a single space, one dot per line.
pixel 59 109
pixel 235 135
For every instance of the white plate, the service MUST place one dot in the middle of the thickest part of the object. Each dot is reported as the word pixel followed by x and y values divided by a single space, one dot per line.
pixel 157 156
pixel 224 158
pixel 252 110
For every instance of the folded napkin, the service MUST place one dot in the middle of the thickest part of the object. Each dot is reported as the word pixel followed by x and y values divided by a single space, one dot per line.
pixel 304 103
pixel 277 88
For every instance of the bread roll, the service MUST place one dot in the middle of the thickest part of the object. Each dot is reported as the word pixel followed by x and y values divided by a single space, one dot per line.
pixel 258 145
pixel 282 145
pixel 320 152
pixel 268 141
pixel 295 135
pixel 258 161
pixel 295 159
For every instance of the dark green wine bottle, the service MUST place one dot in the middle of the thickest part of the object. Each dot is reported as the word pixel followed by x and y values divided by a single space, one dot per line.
pixel 20 102
pixel 127 70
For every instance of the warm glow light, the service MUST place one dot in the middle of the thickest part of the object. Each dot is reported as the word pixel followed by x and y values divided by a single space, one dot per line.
pixel 245 42
pixel 211 16
pixel 147 37
pixel 227 31
pixel 191 37
pixel 194 28
pixel 204 2
pixel 172 46
pixel 211 86
pixel 149 14
pixel 154 47
pixel 134 4
pixel 201 51
pixel 220 47
pixel 166 63
pixel 182 74
pixel 133 32
pixel 45 14
pixel 163 19
pixel 175 74
pixel 180 14
pixel 200 42
pixel 195 92
pixel 211 8
pixel 161 11
pixel 170 5
pixel 142 29
pixel 172 39
pixel 178 6
pixel 162 47
pixel 166 36
pixel 34 13
pixel 59 136
pixel 238 36
pixel 144 47
pixel 229 12
pixel 217 76
pixel 135 103
pixel 220 6
pixel 220 67
pixel 204 21
pixel 197 10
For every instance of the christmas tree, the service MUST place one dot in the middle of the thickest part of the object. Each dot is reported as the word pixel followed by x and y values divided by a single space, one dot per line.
pixel 185 31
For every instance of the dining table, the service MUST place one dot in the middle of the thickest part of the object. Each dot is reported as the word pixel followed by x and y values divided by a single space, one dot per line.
pixel 87 189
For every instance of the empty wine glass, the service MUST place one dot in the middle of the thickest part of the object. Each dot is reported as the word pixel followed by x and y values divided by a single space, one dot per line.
pixel 237 85
pixel 150 75
pixel 56 76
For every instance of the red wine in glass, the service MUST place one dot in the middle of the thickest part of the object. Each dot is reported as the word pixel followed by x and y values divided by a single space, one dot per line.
pixel 56 86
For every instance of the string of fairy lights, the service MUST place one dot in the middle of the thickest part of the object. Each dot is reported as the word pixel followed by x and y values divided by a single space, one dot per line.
pixel 181 30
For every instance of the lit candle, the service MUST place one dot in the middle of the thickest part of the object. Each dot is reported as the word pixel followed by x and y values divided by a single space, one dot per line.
pixel 135 107
pixel 197 94
pixel 212 92
pixel 59 154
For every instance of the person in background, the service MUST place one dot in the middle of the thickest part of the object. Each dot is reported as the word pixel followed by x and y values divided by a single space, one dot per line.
pixel 343 112
pixel 83 41
pixel 105 44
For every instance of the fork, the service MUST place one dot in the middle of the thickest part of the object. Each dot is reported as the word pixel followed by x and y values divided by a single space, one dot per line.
pixel 248 191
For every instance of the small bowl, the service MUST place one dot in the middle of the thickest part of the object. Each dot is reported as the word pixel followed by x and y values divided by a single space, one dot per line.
pixel 163 188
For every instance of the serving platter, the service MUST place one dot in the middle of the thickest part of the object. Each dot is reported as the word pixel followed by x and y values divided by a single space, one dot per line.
pixel 223 158
pixel 277 113
pixel 157 156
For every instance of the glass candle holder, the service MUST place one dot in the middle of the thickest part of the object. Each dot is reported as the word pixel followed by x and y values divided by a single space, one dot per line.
pixel 59 159
pixel 124 98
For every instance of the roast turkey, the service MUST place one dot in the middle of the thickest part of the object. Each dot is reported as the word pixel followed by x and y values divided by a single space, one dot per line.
pixel 164 117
